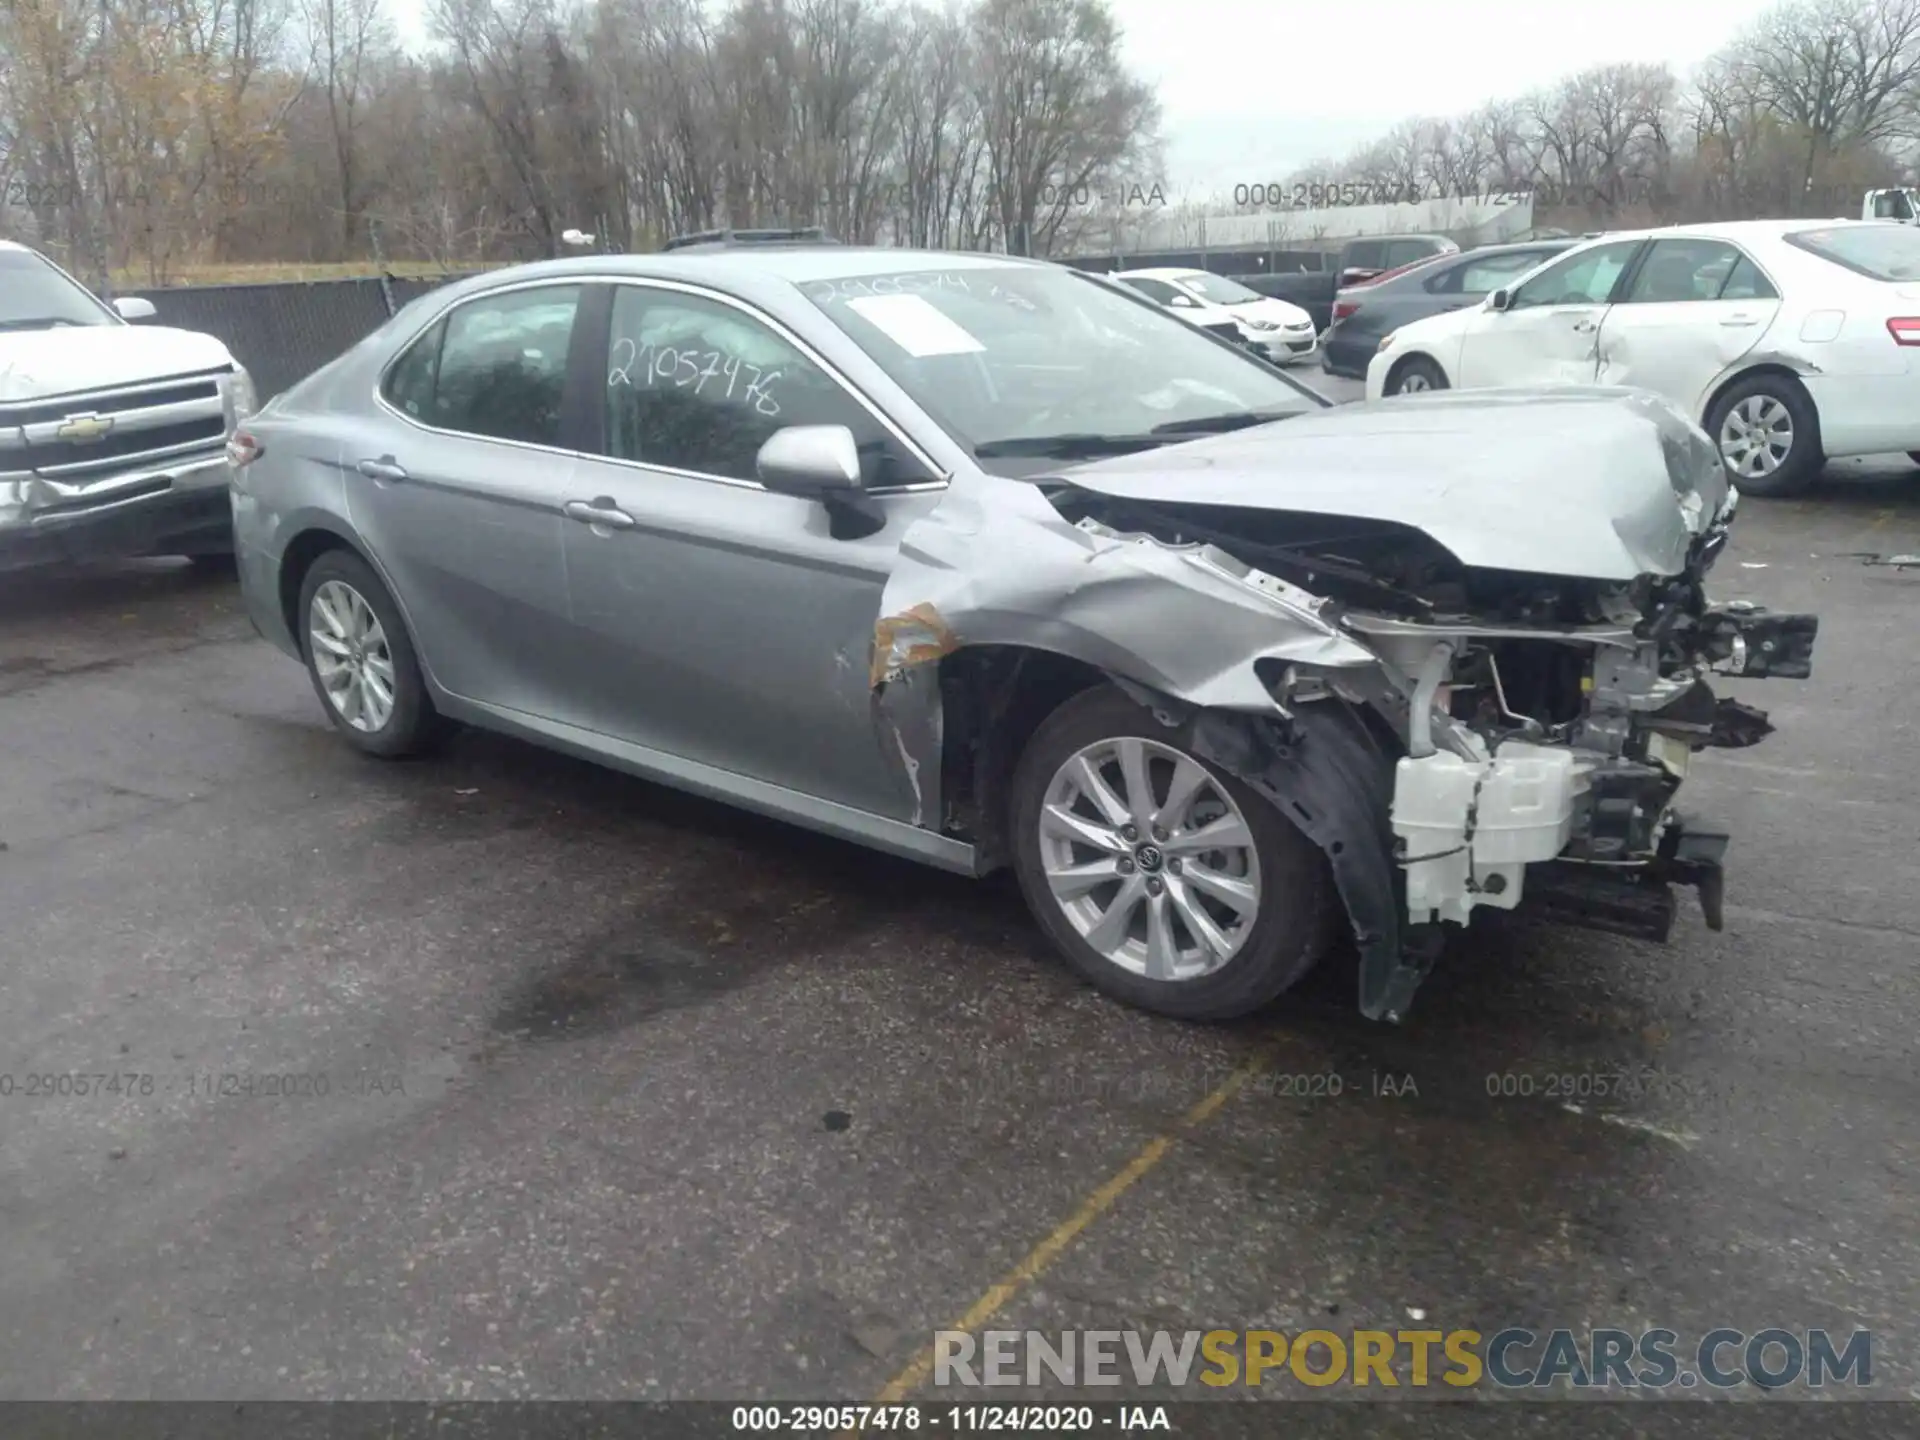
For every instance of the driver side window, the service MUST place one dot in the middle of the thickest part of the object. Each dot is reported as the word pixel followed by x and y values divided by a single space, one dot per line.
pixel 1586 278
pixel 698 385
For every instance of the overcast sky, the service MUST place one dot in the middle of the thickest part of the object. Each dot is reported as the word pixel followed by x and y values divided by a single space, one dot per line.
pixel 1255 89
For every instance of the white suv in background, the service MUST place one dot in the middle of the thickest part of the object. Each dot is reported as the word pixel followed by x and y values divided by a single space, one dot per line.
pixel 1278 330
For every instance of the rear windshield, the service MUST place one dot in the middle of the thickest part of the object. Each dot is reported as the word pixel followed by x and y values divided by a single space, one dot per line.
pixel 1881 252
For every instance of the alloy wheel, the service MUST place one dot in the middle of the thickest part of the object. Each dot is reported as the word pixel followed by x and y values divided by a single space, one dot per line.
pixel 1757 436
pixel 351 656
pixel 1149 858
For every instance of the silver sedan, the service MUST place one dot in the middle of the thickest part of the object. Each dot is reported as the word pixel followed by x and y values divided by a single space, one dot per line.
pixel 969 558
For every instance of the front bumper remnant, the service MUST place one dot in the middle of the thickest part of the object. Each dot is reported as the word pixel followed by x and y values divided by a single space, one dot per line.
pixel 1635 901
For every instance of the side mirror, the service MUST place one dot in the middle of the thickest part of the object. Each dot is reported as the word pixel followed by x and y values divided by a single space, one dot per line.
pixel 1500 299
pixel 809 460
pixel 1183 302
pixel 132 307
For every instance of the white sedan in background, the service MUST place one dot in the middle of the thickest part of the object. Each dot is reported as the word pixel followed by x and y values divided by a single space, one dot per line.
pixel 1789 341
pixel 1279 330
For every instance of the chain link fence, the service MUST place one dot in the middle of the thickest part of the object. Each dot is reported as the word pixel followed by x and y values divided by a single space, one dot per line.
pixel 284 332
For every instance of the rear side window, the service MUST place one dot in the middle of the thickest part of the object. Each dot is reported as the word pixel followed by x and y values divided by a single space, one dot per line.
pixel 1880 252
pixel 409 384
pixel 1366 255
pixel 495 366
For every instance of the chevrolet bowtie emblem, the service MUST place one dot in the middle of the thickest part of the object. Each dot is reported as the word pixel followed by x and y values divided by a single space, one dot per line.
pixel 84 429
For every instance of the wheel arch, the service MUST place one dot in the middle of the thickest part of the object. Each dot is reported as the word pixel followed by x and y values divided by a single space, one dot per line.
pixel 992 700
pixel 320 535
pixel 299 556
pixel 1748 369
pixel 1401 362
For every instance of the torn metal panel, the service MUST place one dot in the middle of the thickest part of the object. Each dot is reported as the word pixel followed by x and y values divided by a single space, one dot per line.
pixel 917 636
pixel 1189 621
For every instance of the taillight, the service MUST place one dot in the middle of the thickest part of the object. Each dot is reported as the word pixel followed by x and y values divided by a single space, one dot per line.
pixel 242 449
pixel 1905 329
pixel 1343 308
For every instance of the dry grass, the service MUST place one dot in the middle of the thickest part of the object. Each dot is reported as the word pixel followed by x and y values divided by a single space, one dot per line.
pixel 140 278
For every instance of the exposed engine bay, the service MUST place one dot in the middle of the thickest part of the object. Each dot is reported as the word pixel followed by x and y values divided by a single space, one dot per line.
pixel 1544 724
pixel 1462 644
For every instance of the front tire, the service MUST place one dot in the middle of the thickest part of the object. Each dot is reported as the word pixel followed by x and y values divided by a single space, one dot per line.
pixel 1209 916
pixel 361 660
pixel 1768 435
pixel 1414 376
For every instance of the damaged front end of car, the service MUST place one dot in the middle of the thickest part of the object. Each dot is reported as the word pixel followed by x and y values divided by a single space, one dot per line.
pixel 1456 715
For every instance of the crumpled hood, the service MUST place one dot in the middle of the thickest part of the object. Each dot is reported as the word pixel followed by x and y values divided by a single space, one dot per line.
pixel 38 364
pixel 1598 482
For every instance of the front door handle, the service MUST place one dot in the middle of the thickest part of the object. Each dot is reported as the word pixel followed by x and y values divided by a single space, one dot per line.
pixel 599 511
pixel 385 468
pixel 1738 321
pixel 1582 327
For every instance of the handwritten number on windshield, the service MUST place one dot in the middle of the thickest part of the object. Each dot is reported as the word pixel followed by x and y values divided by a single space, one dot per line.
pixel 701 371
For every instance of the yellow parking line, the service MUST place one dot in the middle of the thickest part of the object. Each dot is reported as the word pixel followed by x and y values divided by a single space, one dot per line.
pixel 1049 1249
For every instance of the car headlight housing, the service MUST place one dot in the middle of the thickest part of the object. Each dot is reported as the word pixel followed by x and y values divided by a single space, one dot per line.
pixel 242 399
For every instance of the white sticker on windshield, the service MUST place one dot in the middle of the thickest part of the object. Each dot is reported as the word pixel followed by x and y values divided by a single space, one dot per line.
pixel 915 325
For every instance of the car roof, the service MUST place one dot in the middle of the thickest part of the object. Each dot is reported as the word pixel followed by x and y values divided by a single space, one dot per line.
pixel 1509 247
pixel 1738 231
pixel 798 263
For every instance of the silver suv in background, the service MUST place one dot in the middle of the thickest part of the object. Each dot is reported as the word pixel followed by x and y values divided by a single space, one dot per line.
pixel 112 435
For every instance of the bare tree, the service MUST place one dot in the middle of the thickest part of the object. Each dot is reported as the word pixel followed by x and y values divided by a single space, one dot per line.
pixel 1060 113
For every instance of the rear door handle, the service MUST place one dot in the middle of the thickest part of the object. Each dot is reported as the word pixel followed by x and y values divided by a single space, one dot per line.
pixel 1736 321
pixel 599 511
pixel 385 468
pixel 1581 327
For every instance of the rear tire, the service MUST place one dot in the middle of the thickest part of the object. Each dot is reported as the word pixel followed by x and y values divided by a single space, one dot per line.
pixel 361 660
pixel 1157 934
pixel 1415 376
pixel 1768 435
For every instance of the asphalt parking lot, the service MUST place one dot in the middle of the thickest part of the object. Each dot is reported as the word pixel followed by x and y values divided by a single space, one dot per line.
pixel 628 1095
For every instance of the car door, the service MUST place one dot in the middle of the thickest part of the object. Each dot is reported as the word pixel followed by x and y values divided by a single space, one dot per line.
pixel 1548 333
pixel 456 482
pixel 714 620
pixel 1692 308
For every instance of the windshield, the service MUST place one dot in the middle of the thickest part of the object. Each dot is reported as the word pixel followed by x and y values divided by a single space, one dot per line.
pixel 1218 289
pixel 1881 252
pixel 36 296
pixel 1003 354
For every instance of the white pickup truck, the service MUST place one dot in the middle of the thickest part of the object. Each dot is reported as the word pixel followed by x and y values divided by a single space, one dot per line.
pixel 112 435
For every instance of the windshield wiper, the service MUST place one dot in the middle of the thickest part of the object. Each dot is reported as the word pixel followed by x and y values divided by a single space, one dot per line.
pixel 1219 424
pixel 1067 447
